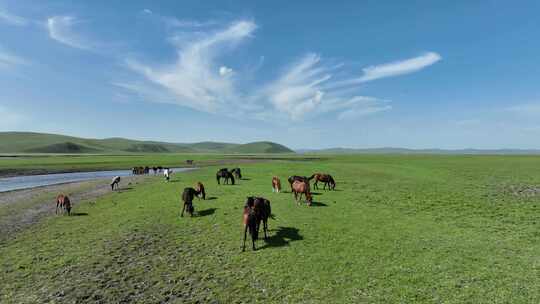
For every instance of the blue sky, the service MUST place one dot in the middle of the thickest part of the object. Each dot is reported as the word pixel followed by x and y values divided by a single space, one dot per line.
pixel 420 74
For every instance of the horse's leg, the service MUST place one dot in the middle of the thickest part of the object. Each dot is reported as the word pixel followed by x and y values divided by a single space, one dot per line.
pixel 56 212
pixel 183 208
pixel 265 227
pixel 245 236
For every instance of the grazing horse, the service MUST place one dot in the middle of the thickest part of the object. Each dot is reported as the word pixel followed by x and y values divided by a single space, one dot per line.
pixel 189 161
pixel 154 169
pixel 115 181
pixel 276 184
pixel 200 190
pixel 237 173
pixel 225 174
pixel 326 179
pixel 294 178
pixel 256 210
pixel 187 197
pixel 302 187
pixel 63 202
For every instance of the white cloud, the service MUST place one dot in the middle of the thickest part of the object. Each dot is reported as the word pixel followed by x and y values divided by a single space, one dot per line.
pixel 8 60
pixel 194 80
pixel 224 71
pixel 180 23
pixel 11 19
pixel 147 11
pixel 309 86
pixel 402 67
pixel 61 29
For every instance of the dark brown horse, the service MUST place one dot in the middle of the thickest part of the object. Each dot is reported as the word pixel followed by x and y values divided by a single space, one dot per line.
pixel 200 189
pixel 63 202
pixel 187 196
pixel 326 179
pixel 300 188
pixel 225 174
pixel 256 210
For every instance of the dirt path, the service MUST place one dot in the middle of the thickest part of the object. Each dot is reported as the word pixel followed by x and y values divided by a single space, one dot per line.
pixel 22 208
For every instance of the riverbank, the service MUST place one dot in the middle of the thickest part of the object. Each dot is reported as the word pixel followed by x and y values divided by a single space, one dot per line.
pixel 51 164
pixel 21 209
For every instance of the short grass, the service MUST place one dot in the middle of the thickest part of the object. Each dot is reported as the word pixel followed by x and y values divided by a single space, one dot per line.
pixel 399 229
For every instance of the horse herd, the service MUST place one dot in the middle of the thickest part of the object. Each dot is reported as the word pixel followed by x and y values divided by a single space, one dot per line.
pixel 256 210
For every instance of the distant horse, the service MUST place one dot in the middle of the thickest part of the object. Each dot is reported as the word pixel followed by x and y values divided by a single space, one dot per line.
pixel 327 179
pixel 294 178
pixel 138 170
pixel 115 181
pixel 276 184
pixel 302 188
pixel 237 173
pixel 154 169
pixel 187 197
pixel 225 174
pixel 63 202
pixel 189 161
pixel 146 170
pixel 167 173
pixel 256 210
pixel 200 190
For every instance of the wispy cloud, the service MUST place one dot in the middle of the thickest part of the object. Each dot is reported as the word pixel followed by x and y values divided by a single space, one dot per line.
pixel 310 86
pixel 305 88
pixel 195 79
pixel 11 19
pixel 525 109
pixel 402 67
pixel 61 29
pixel 9 60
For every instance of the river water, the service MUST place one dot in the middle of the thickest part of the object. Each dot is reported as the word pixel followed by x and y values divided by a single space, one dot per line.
pixel 31 181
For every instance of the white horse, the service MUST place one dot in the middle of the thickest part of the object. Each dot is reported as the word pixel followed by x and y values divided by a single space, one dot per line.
pixel 115 181
pixel 167 173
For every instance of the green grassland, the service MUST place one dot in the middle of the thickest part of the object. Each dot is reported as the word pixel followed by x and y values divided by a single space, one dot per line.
pixel 29 142
pixel 399 229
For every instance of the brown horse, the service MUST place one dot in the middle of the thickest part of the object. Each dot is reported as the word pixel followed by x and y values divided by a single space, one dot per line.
pixel 294 178
pixel 276 184
pixel 302 187
pixel 256 210
pixel 200 188
pixel 63 202
pixel 326 179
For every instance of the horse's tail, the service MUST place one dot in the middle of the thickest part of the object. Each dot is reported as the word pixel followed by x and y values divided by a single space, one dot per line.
pixel 252 226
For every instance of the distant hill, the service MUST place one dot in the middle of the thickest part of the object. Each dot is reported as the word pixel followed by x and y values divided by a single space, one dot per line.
pixel 421 151
pixel 29 142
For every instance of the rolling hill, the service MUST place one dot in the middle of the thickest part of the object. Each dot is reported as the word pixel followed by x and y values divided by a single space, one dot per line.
pixel 30 142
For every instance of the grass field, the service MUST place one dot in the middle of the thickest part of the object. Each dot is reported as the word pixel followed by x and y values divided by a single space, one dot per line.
pixel 399 229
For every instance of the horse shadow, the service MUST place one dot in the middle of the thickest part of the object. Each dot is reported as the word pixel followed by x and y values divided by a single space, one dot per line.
pixel 206 212
pixel 282 237
pixel 211 198
pixel 174 181
pixel 318 204
pixel 124 189
pixel 246 179
pixel 79 214
pixel 316 193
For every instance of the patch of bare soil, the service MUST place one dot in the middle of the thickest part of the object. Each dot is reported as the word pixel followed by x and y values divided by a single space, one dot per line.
pixel 525 191
pixel 22 208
